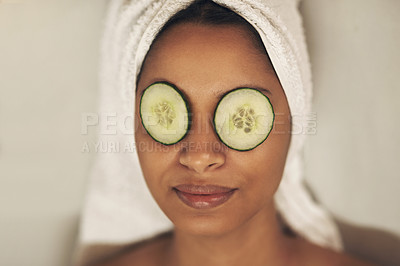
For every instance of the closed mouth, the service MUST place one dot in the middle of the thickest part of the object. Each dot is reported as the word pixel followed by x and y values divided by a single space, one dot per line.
pixel 203 196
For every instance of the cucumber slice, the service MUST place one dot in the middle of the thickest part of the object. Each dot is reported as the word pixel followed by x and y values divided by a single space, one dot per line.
pixel 243 119
pixel 164 113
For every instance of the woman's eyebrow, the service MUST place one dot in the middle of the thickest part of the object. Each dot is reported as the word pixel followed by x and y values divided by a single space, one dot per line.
pixel 267 91
pixel 219 93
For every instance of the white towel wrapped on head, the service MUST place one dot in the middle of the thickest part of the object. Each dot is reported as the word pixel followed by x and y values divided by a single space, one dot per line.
pixel 119 208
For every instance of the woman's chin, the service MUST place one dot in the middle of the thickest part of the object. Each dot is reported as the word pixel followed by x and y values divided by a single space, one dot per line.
pixel 204 225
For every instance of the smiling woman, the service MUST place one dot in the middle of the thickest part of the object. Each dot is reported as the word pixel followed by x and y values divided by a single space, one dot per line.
pixel 238 186
pixel 214 108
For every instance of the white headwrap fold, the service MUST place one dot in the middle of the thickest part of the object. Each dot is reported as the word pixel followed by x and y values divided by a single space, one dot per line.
pixel 119 208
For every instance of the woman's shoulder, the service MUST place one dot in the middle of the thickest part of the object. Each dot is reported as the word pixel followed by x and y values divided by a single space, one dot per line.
pixel 312 254
pixel 150 252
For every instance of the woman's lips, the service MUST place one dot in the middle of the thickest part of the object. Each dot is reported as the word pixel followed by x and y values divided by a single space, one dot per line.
pixel 203 196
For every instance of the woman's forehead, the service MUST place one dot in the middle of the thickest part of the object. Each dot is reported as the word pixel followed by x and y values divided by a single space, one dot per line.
pixel 186 37
pixel 207 55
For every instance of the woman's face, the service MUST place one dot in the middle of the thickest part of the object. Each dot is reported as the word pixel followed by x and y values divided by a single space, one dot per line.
pixel 201 185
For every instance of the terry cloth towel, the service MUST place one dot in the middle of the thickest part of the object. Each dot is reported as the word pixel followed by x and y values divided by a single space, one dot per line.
pixel 119 208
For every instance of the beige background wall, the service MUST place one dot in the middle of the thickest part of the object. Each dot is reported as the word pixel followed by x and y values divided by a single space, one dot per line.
pixel 354 160
pixel 48 78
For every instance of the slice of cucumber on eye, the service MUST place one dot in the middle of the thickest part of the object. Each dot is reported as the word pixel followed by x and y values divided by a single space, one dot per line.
pixel 164 113
pixel 243 119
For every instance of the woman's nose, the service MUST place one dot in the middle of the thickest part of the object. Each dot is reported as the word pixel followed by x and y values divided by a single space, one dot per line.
pixel 202 151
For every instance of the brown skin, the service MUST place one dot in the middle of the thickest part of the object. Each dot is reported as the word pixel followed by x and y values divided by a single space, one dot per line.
pixel 204 66
pixel 205 62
